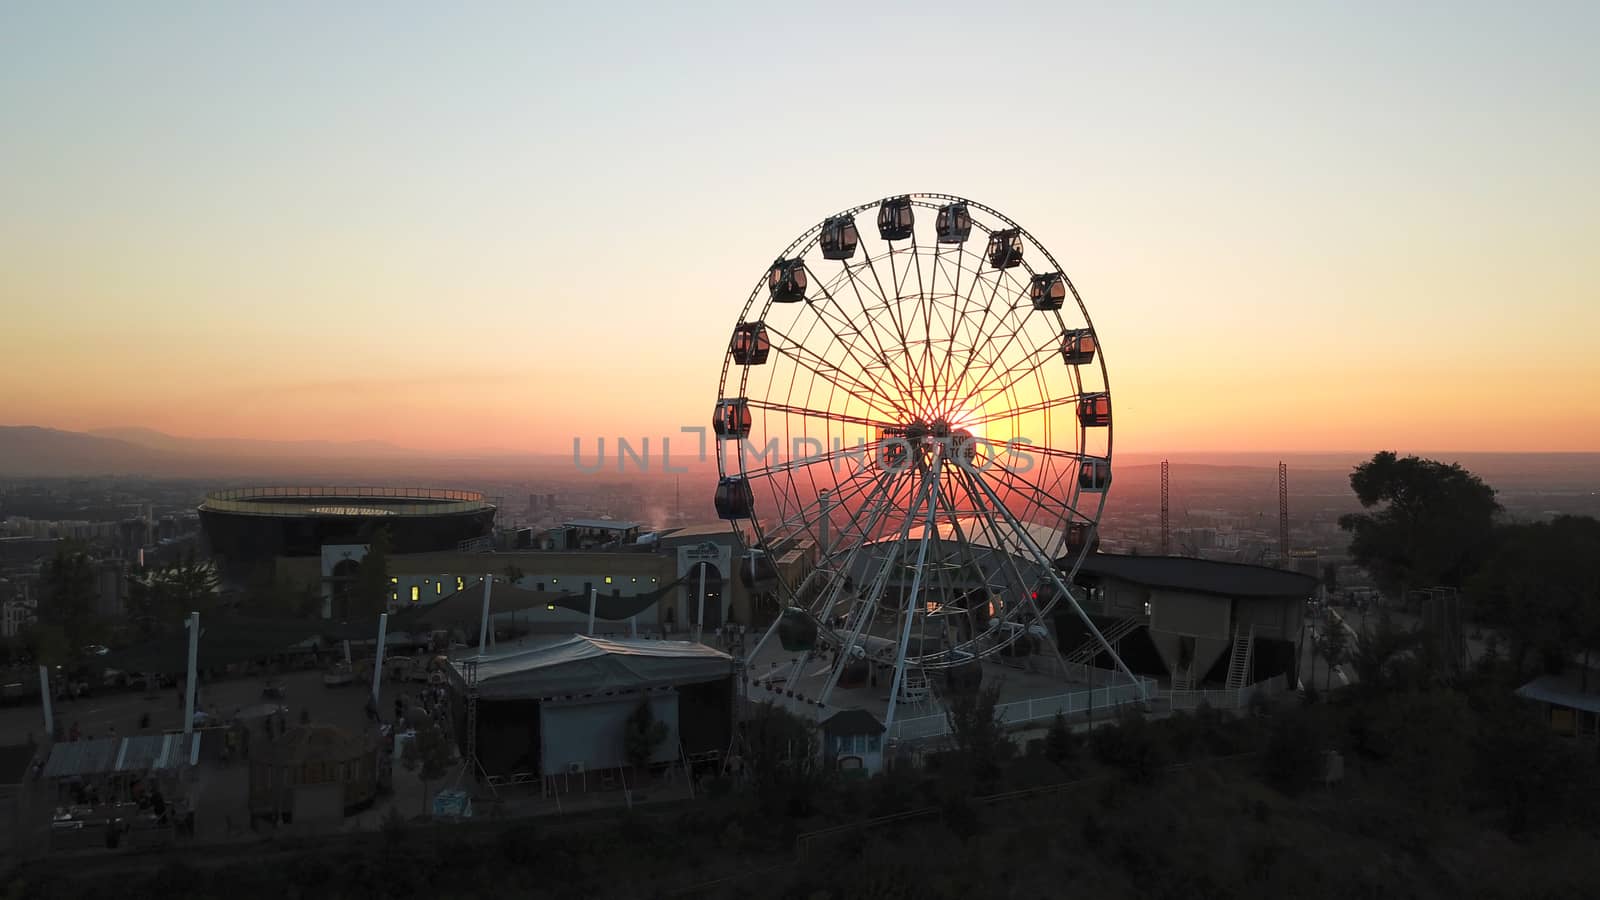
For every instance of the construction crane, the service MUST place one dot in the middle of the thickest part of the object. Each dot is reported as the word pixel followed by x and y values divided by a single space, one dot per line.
pixel 1283 511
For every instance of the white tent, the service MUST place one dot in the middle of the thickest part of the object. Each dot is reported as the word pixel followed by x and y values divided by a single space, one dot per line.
pixel 587 687
pixel 584 665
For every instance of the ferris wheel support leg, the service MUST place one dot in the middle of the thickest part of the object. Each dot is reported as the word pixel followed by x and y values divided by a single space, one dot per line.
pixel 911 603
pixel 869 605
pixel 1048 565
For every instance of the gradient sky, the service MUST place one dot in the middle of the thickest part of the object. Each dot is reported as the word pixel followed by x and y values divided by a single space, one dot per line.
pixel 1296 226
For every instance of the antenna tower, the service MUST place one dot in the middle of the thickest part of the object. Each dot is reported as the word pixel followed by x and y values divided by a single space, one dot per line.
pixel 1166 516
pixel 1283 511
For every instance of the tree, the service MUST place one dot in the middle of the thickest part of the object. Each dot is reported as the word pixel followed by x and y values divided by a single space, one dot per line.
pixel 641 735
pixel 976 733
pixel 46 643
pixel 370 595
pixel 1430 522
pixel 67 584
pixel 1332 646
pixel 165 595
pixel 1061 743
pixel 429 754
pixel 1541 588
pixel 782 760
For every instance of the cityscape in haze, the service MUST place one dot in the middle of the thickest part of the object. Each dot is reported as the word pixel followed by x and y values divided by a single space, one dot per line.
pixel 918 450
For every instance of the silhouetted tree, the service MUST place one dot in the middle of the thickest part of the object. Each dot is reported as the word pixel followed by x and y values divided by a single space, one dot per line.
pixel 1430 522
pixel 429 754
pixel 977 737
pixel 641 735
pixel 67 583
pixel 1541 589
pixel 370 594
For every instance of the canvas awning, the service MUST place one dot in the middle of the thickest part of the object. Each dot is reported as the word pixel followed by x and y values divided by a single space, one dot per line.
pixel 1561 691
pixel 584 665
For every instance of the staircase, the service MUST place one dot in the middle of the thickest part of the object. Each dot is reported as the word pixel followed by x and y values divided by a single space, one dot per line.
pixel 1091 648
pixel 1183 679
pixel 1239 663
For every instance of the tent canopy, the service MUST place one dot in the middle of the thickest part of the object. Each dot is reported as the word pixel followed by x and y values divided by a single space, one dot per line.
pixel 589 665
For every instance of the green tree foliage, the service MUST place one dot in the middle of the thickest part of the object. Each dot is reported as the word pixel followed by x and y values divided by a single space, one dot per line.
pixel 1541 590
pixel 1332 646
pixel 429 755
pixel 1061 744
pixel 161 597
pixel 1428 522
pixel 782 760
pixel 46 644
pixel 67 582
pixel 273 595
pixel 641 735
pixel 1292 759
pixel 370 594
pixel 978 740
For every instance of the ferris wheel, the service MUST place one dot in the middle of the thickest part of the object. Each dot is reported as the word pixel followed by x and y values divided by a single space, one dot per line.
pixel 914 397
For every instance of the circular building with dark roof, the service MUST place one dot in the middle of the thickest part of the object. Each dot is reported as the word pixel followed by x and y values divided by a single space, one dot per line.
pixel 250 527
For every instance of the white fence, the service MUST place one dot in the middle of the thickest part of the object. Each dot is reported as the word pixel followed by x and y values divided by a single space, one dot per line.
pixel 1034 709
pixel 1222 698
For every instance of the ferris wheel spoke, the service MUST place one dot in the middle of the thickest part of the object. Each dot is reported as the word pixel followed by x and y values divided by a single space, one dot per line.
pixel 875 287
pixel 875 340
pixel 994 292
pixel 827 457
pixel 864 392
pixel 1040 357
pixel 1039 406
pixel 821 414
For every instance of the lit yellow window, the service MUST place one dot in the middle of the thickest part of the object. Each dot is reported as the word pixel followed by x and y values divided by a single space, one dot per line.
pixel 608 579
pixel 416 593
pixel 461 583
pixel 394 595
pixel 550 606
pixel 438 588
pixel 394 581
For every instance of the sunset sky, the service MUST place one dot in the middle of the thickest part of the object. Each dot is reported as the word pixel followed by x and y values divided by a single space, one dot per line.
pixel 1297 228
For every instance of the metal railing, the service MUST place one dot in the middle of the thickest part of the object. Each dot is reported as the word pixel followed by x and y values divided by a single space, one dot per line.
pixel 1034 709
pixel 271 501
pixel 1225 698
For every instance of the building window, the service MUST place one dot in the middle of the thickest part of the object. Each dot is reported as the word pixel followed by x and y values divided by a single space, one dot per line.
pixel 461 583
pixel 394 595
pixel 608 579
pixel 416 593
pixel 550 606
pixel 438 587
pixel 394 581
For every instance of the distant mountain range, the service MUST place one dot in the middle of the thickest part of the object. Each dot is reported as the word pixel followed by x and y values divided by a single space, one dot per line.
pixel 156 440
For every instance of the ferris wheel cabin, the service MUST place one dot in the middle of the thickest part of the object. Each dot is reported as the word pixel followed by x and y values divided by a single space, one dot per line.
pixel 1005 248
pixel 731 421
pixel 1094 476
pixel 839 237
pixel 734 499
pixel 1094 410
pixel 1048 290
pixel 787 280
pixel 895 219
pixel 1077 346
pixel 954 224
pixel 750 344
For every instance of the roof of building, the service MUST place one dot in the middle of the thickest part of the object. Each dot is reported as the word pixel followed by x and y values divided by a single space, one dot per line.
pixel 584 665
pixel 602 524
pixel 76 758
pixel 155 752
pixel 1562 690
pixel 1200 576
pixel 852 721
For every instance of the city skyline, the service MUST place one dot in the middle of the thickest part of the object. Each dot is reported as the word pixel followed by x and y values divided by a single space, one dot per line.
pixel 504 231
